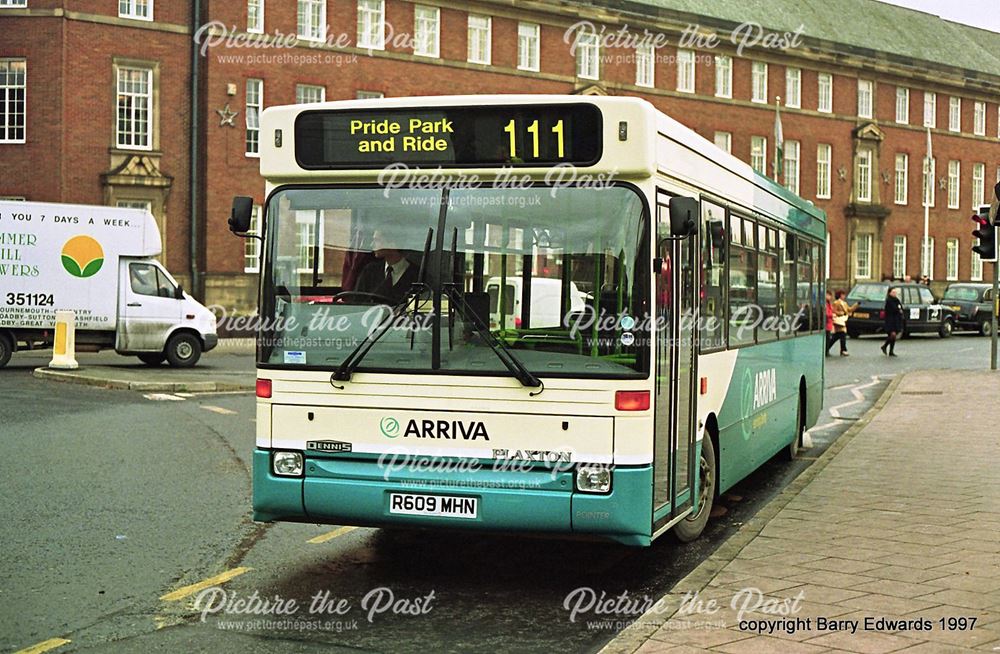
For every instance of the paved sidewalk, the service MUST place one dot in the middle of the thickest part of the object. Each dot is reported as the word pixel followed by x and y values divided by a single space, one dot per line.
pixel 899 520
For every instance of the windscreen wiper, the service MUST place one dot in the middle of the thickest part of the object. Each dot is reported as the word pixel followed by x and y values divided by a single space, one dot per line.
pixel 501 349
pixel 354 358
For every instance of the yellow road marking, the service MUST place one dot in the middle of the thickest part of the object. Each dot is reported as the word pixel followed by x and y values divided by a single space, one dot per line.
pixel 44 646
pixel 217 409
pixel 339 531
pixel 184 591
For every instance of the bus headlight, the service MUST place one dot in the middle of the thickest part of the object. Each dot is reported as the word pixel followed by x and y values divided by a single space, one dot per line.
pixel 593 479
pixel 287 464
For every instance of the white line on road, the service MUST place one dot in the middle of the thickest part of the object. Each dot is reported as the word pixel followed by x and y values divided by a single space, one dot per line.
pixel 163 397
pixel 218 409
pixel 858 396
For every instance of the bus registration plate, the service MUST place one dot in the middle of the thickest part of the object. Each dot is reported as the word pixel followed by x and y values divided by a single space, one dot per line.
pixel 434 505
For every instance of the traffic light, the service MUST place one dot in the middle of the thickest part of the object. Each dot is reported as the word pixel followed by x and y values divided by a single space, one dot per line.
pixel 987 235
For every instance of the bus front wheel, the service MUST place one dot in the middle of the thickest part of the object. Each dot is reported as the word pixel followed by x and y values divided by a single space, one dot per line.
pixel 6 348
pixel 691 527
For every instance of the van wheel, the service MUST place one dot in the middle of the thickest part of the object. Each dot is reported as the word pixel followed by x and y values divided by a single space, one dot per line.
pixel 792 451
pixel 945 330
pixel 691 527
pixel 6 349
pixel 153 358
pixel 986 327
pixel 183 350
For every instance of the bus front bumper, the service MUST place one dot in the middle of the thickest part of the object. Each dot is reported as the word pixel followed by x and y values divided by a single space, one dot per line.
pixel 357 492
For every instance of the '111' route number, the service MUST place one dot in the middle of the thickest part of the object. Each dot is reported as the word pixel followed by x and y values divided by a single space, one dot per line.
pixel 557 129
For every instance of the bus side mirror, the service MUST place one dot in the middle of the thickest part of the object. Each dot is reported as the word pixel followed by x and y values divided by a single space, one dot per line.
pixel 239 219
pixel 683 213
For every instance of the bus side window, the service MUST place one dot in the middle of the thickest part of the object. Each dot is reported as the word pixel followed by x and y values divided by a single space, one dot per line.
pixel 713 301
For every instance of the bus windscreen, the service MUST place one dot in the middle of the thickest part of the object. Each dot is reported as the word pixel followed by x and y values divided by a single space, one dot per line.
pixel 506 135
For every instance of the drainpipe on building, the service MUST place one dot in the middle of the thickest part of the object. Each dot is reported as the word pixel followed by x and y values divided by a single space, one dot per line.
pixel 197 288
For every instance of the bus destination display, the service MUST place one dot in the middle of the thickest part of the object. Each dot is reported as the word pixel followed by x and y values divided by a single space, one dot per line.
pixel 516 135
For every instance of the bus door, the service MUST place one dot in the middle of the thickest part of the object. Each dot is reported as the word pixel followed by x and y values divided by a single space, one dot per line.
pixel 675 366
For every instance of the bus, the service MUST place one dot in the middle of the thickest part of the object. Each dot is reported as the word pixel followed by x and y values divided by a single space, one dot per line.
pixel 690 289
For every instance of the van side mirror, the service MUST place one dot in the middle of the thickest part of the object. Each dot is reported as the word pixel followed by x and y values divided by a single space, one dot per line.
pixel 239 219
pixel 179 292
pixel 683 216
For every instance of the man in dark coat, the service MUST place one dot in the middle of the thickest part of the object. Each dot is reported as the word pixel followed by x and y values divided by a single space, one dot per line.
pixel 893 321
pixel 390 275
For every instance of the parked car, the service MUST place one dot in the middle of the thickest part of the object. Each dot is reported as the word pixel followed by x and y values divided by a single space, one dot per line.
pixel 972 303
pixel 922 313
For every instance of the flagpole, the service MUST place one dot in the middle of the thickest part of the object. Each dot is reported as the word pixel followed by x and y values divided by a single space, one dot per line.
pixel 925 265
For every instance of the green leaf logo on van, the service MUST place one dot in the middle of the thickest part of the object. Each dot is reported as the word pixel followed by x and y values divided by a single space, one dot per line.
pixel 82 256
pixel 389 427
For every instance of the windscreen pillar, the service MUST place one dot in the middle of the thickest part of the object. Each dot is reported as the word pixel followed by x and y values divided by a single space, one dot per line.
pixel 64 345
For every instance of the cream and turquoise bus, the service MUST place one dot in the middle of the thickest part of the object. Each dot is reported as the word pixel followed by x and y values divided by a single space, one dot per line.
pixel 689 350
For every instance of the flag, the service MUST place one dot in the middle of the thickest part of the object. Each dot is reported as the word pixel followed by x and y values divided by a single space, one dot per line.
pixel 779 142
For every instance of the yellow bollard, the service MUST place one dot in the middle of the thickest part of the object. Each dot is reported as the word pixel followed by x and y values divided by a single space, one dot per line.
pixel 64 348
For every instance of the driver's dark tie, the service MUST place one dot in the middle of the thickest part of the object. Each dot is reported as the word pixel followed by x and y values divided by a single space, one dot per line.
pixel 388 277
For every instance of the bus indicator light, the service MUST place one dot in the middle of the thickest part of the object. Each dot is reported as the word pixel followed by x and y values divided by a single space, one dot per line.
pixel 704 385
pixel 264 388
pixel 632 400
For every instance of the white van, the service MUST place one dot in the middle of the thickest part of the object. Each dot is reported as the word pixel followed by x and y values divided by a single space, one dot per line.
pixel 96 261
pixel 545 301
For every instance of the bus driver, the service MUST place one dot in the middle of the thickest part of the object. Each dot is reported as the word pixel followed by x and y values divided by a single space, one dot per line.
pixel 391 274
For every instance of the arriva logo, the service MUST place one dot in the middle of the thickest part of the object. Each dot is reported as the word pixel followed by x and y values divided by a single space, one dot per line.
pixel 82 256
pixel 389 427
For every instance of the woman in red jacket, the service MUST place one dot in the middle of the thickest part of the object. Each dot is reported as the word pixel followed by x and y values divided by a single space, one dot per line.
pixel 829 322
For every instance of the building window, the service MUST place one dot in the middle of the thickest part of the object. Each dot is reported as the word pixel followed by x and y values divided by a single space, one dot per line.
pixel 13 4
pixel 954 114
pixel 644 65
pixel 588 55
pixel 927 257
pixel 863 256
pixel 312 20
pixel 930 109
pixel 951 260
pixel 758 154
pixel 864 98
pixel 723 76
pixel 528 45
pixel 135 108
pixel 902 170
pixel 138 9
pixel 863 181
pixel 979 119
pixel 825 101
pixel 793 88
pixel 308 222
pixel 13 78
pixel 823 153
pixel 308 94
pixel 13 198
pixel 369 95
pixel 976 273
pixel 251 246
pixel 255 16
pixel 954 172
pixel 930 172
pixel 480 41
pixel 427 31
pixel 899 257
pixel 758 81
pixel 902 105
pixel 371 24
pixel 685 71
pixel 145 205
pixel 978 185
pixel 791 164
pixel 724 141
pixel 255 102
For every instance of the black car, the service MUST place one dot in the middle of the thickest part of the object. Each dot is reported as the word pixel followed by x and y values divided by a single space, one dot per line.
pixel 972 304
pixel 921 312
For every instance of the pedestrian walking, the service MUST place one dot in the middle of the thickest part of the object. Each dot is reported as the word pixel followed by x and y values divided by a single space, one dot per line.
pixel 893 321
pixel 829 322
pixel 841 312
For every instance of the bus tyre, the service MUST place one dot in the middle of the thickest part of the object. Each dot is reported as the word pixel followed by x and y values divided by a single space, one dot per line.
pixel 6 348
pixel 946 327
pixel 183 350
pixel 792 451
pixel 152 358
pixel 691 527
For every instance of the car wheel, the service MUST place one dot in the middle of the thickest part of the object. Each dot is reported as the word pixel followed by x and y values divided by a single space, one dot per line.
pixel 6 349
pixel 853 333
pixel 986 328
pixel 183 350
pixel 152 358
pixel 691 527
pixel 944 331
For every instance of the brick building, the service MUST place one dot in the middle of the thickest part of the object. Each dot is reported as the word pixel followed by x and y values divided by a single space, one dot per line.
pixel 99 95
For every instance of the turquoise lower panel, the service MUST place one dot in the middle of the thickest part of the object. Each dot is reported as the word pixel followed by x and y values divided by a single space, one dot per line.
pixel 354 492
